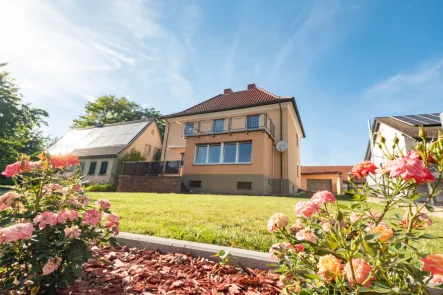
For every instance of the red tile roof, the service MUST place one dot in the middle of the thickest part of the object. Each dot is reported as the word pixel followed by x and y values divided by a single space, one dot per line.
pixel 232 100
pixel 254 96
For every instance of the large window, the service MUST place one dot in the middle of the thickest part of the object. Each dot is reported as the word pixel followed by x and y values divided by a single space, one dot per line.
pixel 103 168
pixel 200 157
pixel 224 153
pixel 92 167
pixel 218 125
pixel 189 129
pixel 253 121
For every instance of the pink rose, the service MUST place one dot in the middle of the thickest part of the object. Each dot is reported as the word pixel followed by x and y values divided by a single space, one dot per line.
pixel 306 234
pixel 53 187
pixel 72 232
pixel 298 225
pixel 323 197
pixel 12 169
pixel 363 169
pixel 51 265
pixel 19 231
pixel 92 217
pixel 278 220
pixel 46 218
pixel 306 208
pixel 410 167
pixel 299 248
pixel 104 204
pixel 7 200
pixel 78 188
pixel 36 165
pixel 83 199
pixel 67 214
pixel 437 279
pixel 112 217
pixel 327 226
pixel 362 270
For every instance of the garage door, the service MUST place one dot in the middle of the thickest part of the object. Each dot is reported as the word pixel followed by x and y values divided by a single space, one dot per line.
pixel 319 185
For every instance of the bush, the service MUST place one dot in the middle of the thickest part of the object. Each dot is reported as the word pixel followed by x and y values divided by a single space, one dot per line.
pixel 47 226
pixel 104 187
pixel 336 249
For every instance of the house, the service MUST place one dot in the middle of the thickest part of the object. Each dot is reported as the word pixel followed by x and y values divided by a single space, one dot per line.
pixel 228 144
pixel 331 178
pixel 99 148
pixel 406 129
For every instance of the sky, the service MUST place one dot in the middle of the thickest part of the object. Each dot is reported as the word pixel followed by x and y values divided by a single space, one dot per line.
pixel 344 61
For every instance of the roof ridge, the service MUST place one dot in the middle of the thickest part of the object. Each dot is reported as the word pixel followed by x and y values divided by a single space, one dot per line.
pixel 267 92
pixel 114 124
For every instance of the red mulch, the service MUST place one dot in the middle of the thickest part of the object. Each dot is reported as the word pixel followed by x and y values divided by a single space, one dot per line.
pixel 133 271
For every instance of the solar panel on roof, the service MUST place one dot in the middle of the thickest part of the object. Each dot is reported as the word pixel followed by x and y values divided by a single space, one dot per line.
pixel 421 119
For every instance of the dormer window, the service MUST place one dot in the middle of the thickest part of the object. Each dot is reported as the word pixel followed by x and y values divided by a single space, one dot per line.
pixel 218 125
pixel 189 129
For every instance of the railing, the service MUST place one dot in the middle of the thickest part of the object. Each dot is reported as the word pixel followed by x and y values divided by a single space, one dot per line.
pixel 230 125
pixel 152 168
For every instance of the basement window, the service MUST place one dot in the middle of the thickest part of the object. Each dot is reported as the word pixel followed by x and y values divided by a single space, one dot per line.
pixel 195 183
pixel 244 185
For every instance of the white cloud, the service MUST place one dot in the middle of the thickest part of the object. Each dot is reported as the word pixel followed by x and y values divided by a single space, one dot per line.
pixel 65 53
pixel 318 26
pixel 422 89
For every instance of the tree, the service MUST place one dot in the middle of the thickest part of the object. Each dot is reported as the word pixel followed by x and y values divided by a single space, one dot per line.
pixel 109 109
pixel 19 123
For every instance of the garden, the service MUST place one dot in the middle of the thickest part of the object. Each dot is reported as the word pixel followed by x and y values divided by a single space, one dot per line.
pixel 55 238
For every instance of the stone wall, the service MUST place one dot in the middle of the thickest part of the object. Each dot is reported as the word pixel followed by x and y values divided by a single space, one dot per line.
pixel 154 184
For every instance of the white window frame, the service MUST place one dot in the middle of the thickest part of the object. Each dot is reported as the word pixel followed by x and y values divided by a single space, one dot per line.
pixel 222 154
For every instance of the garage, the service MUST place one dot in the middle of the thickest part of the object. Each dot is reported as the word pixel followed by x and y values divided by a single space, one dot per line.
pixel 319 185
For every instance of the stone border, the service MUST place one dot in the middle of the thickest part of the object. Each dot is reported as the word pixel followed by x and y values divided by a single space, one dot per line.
pixel 244 258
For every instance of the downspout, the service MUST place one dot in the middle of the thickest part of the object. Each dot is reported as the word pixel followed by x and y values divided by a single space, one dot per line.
pixel 281 153
pixel 166 141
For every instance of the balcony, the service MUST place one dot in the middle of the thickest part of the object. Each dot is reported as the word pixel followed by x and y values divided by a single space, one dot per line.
pixel 246 123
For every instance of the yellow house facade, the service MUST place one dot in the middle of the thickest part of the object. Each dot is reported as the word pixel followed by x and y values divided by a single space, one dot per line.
pixel 229 143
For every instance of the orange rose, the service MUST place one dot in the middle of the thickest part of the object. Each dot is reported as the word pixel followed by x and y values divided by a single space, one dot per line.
pixel 59 161
pixel 383 229
pixel 363 169
pixel 433 263
pixel 329 267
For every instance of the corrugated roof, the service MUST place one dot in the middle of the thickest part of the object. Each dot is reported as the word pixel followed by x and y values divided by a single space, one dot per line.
pixel 404 128
pixel 109 139
pixel 407 129
pixel 254 96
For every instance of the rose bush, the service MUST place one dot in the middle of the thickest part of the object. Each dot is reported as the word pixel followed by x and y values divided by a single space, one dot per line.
pixel 336 249
pixel 47 225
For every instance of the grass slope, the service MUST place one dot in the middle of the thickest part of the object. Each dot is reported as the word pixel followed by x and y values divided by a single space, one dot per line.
pixel 235 221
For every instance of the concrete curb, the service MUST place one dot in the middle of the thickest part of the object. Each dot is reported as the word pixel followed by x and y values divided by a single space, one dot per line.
pixel 244 258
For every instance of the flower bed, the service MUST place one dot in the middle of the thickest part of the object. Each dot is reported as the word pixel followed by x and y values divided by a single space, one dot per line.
pixel 133 271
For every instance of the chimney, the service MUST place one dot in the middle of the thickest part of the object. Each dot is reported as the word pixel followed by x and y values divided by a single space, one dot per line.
pixel 228 90
pixel 252 86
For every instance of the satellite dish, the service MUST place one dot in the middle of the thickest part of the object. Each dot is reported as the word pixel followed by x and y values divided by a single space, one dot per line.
pixel 282 146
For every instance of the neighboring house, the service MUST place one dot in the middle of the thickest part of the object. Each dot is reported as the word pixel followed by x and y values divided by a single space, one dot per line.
pixel 228 143
pixel 406 129
pixel 330 178
pixel 99 148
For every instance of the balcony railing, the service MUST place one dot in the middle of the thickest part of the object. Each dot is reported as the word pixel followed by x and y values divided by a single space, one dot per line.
pixel 152 168
pixel 230 125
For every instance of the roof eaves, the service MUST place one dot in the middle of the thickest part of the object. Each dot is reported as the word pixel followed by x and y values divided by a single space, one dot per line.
pixel 176 115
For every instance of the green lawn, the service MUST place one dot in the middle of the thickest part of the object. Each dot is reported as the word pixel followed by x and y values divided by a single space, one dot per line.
pixel 235 221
